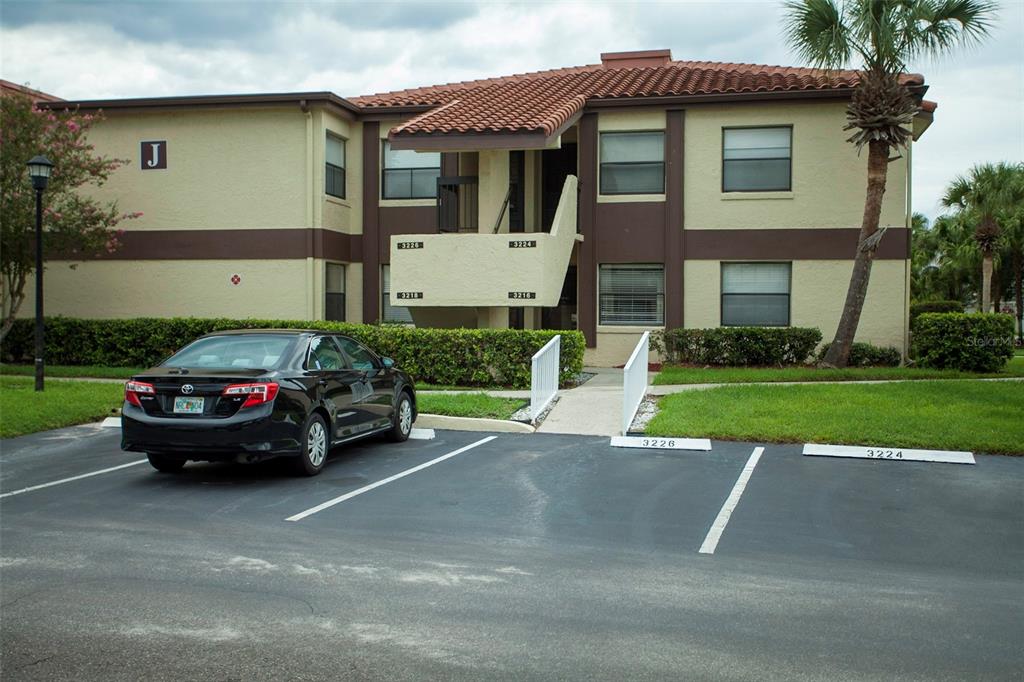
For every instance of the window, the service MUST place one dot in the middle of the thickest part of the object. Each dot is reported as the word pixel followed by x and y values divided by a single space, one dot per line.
pixel 324 355
pixel 361 358
pixel 334 171
pixel 409 174
pixel 391 313
pixel 633 163
pixel 262 351
pixel 756 159
pixel 334 292
pixel 755 294
pixel 632 294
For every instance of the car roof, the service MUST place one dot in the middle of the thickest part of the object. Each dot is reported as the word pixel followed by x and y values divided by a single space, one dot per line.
pixel 290 332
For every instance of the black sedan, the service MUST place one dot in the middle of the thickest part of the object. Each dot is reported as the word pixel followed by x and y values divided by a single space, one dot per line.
pixel 249 395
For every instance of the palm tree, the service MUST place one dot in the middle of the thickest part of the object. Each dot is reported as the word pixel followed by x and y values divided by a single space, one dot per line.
pixel 879 37
pixel 991 198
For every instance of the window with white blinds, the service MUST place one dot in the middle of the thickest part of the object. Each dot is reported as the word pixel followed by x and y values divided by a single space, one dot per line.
pixel 633 163
pixel 334 292
pixel 632 294
pixel 334 167
pixel 389 312
pixel 755 294
pixel 408 174
pixel 757 159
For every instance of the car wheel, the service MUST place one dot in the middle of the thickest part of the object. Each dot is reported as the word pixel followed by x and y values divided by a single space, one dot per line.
pixel 315 445
pixel 401 426
pixel 167 464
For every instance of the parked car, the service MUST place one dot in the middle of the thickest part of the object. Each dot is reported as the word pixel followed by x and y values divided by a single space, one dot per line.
pixel 249 395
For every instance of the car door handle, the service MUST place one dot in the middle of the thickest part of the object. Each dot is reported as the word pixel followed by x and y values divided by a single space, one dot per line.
pixel 322 382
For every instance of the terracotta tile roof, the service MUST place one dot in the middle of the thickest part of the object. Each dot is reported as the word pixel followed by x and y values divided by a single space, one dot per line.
pixel 540 102
pixel 37 95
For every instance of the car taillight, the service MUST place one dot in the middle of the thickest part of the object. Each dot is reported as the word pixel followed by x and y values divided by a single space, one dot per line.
pixel 133 389
pixel 257 394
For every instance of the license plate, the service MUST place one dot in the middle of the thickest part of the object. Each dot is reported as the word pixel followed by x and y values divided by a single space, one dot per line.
pixel 188 405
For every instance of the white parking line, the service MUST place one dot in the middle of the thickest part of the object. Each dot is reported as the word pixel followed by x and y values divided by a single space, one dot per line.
pixel 73 478
pixel 384 481
pixel 711 541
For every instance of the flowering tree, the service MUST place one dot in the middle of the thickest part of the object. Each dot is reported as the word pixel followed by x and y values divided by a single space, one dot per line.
pixel 74 225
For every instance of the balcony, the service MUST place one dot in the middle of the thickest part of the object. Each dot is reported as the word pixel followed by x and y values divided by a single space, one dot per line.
pixel 486 270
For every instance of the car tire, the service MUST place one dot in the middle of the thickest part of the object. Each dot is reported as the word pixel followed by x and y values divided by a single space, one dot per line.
pixel 315 447
pixel 167 464
pixel 401 424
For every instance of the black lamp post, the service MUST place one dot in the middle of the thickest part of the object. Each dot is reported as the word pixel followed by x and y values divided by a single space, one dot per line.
pixel 39 170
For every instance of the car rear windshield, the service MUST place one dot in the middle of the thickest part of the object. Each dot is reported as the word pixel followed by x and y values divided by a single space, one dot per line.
pixel 254 351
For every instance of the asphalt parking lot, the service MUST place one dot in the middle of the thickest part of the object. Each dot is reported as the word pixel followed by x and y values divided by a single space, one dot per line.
pixel 521 557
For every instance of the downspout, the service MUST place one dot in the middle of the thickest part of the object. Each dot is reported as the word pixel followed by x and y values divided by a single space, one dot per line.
pixel 909 255
pixel 310 197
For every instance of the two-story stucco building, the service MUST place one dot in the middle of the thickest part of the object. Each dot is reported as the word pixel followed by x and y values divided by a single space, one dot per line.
pixel 638 193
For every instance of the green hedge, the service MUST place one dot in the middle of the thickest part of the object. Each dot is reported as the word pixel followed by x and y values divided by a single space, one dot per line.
pixel 736 346
pixel 457 357
pixel 976 342
pixel 934 307
pixel 868 355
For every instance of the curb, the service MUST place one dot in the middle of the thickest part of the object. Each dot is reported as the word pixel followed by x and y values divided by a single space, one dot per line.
pixel 439 421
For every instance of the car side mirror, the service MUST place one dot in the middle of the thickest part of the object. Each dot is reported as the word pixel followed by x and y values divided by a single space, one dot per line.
pixel 387 362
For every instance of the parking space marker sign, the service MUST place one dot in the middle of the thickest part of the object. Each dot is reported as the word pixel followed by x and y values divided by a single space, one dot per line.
pixel 661 443
pixel 890 453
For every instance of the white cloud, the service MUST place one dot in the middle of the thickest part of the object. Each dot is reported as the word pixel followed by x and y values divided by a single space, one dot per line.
pixel 99 50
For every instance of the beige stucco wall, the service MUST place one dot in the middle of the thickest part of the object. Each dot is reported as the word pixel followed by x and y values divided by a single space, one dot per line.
pixel 343 215
pixel 829 178
pixel 173 288
pixel 227 168
pixel 493 178
pixel 816 299
pixel 615 345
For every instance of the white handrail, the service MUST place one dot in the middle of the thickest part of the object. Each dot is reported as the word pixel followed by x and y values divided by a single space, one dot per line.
pixel 634 381
pixel 544 370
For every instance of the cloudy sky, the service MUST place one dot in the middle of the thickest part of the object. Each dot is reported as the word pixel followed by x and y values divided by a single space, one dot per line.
pixel 90 49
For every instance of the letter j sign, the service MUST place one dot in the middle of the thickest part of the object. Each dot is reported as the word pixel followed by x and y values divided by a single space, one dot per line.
pixel 154 155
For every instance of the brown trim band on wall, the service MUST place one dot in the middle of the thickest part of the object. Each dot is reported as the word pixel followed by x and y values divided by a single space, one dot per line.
pixel 789 244
pixel 673 238
pixel 586 262
pixel 371 221
pixel 241 244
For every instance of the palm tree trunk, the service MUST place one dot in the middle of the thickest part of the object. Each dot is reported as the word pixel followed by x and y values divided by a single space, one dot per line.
pixel 878 167
pixel 986 282
pixel 997 293
pixel 1018 275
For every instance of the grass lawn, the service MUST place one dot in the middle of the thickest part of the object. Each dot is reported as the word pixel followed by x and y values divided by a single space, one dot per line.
pixel 981 416
pixel 479 405
pixel 63 403
pixel 94 372
pixel 676 374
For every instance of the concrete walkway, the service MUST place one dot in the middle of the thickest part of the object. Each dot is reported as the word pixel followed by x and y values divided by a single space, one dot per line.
pixel 592 409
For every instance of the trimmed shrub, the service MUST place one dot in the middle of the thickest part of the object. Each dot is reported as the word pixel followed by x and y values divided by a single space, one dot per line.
pixel 975 342
pixel 934 307
pixel 867 355
pixel 758 346
pixel 458 357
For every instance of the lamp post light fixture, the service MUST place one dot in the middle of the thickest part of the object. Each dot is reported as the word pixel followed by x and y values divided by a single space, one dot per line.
pixel 39 169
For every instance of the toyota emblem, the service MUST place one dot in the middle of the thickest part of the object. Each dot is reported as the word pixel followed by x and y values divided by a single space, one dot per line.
pixel 187 389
